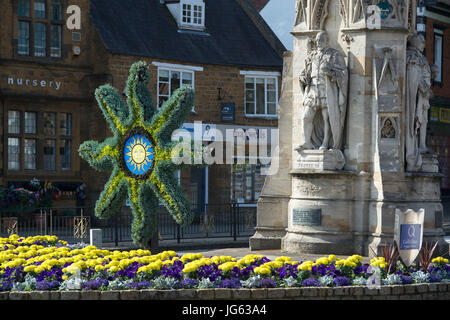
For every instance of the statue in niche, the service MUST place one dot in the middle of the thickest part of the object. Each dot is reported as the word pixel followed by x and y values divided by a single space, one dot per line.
pixel 388 130
pixel 418 93
pixel 324 84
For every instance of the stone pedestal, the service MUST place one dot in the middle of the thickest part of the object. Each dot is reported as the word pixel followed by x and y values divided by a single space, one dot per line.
pixel 272 217
pixel 320 160
pixel 345 202
pixel 430 163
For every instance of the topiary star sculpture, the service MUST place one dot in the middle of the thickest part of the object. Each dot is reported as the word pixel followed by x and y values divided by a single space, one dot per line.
pixel 139 154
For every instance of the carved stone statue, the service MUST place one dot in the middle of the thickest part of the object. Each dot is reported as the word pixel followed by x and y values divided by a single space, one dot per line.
pixel 418 93
pixel 388 130
pixel 324 84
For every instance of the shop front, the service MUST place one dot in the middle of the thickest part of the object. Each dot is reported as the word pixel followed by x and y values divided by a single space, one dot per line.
pixel 439 142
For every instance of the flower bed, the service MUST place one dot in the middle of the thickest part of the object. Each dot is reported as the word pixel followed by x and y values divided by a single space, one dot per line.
pixel 18 200
pixel 44 263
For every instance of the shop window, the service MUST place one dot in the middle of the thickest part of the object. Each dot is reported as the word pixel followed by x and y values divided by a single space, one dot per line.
pixel 13 154
pixel 261 96
pixel 43 26
pixel 246 182
pixel 64 152
pixel 438 50
pixel 56 10
pixel 50 155
pixel 441 145
pixel 13 122
pixel 170 80
pixel 23 8
pixel 24 38
pixel 30 154
pixel 55 40
pixel 30 122
pixel 39 9
pixel 65 124
pixel 28 140
pixel 49 123
pixel 39 39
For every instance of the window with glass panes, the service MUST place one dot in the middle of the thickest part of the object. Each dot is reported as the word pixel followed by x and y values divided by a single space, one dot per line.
pixel 261 96
pixel 192 13
pixel 438 50
pixel 39 24
pixel 170 80
pixel 440 144
pixel 246 182
pixel 37 140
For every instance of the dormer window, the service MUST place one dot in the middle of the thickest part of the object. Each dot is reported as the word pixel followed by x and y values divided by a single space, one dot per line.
pixel 189 14
pixel 193 13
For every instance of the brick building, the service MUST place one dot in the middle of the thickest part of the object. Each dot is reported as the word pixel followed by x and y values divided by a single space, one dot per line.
pixel 433 21
pixel 48 74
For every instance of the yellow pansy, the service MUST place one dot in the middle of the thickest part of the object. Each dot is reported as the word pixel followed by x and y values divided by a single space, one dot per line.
pixel 228 266
pixel 440 260
pixel 262 270
pixel 307 265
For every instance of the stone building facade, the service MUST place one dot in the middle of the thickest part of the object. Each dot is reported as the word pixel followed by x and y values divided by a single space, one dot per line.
pixel 48 74
pixel 433 21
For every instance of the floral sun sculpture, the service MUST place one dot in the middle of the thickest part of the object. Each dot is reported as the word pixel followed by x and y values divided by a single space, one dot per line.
pixel 139 154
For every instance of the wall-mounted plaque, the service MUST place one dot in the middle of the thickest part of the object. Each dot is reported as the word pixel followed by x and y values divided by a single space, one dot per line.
pixel 227 112
pixel 306 217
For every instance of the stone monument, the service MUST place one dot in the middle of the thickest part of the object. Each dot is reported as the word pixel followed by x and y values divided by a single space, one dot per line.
pixel 352 121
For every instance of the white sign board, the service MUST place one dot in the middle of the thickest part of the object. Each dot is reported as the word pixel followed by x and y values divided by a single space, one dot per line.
pixel 409 233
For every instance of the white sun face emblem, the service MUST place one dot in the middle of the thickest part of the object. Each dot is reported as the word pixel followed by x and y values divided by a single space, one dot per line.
pixel 138 154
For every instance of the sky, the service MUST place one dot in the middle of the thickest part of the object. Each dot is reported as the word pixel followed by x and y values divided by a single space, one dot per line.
pixel 280 15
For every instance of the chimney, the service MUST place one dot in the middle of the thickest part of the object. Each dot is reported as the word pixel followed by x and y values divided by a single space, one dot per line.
pixel 259 4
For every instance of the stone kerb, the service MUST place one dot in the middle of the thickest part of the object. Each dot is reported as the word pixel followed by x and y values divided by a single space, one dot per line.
pixel 421 291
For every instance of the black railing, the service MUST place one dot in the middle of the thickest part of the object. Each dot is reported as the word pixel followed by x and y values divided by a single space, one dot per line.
pixel 446 213
pixel 210 221
pixel 73 224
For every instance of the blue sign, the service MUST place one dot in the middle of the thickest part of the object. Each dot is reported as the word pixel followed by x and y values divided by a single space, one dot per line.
pixel 385 8
pixel 410 235
pixel 138 154
pixel 227 112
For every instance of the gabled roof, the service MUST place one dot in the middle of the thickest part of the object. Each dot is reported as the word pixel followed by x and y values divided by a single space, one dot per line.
pixel 146 28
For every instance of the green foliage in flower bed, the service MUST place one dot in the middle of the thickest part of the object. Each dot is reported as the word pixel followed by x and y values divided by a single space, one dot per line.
pixel 45 263
pixel 139 154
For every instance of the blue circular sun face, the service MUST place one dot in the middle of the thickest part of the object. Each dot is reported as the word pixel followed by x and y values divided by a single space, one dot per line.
pixel 138 154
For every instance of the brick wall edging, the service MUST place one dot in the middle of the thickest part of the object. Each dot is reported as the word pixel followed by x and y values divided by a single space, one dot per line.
pixel 422 291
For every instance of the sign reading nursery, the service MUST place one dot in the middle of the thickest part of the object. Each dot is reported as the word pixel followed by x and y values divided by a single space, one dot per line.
pixel 53 84
pixel 408 233
pixel 140 154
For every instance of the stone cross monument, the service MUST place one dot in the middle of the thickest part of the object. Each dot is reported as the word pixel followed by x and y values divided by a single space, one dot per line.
pixel 352 120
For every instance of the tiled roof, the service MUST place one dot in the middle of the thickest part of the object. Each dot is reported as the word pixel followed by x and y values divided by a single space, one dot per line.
pixel 147 28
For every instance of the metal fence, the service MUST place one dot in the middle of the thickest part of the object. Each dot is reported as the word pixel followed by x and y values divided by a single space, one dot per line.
pixel 446 213
pixel 73 224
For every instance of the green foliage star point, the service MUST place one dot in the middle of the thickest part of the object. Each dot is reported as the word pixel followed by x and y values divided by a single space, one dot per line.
pixel 139 154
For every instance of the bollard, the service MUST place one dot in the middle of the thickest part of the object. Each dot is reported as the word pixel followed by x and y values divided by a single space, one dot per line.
pixel 96 238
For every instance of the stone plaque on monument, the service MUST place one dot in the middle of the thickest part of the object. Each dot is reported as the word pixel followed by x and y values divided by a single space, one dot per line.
pixel 306 217
pixel 408 233
pixel 320 160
